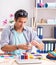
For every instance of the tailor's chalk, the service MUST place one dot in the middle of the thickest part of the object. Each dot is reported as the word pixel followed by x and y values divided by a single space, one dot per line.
pixel 32 53
pixel 11 56
pixel 2 56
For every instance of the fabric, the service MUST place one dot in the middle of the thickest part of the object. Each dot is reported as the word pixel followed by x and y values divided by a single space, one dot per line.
pixel 50 58
pixel 53 53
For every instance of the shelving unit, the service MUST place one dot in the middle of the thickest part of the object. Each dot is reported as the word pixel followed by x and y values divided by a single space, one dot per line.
pixel 45 13
pixel 48 29
pixel 48 37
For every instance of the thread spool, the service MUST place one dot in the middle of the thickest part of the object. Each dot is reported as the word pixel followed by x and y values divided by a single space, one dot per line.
pixel 22 56
pixel 46 5
pixel 50 5
pixel 31 56
pixel 39 5
pixel 25 55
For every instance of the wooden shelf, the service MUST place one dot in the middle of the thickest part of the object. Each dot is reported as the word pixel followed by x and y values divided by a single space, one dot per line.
pixel 44 24
pixel 48 39
pixel 46 8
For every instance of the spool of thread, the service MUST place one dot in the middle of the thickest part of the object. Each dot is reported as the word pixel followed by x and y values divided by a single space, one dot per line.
pixel 25 55
pixel 39 5
pixel 50 5
pixel 31 56
pixel 22 56
pixel 46 5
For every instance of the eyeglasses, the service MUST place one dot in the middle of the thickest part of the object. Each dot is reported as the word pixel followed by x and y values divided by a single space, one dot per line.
pixel 23 14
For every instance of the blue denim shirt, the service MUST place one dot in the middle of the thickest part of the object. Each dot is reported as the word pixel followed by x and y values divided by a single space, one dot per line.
pixel 7 35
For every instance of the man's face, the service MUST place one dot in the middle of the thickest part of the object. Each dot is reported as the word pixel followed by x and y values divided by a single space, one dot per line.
pixel 20 22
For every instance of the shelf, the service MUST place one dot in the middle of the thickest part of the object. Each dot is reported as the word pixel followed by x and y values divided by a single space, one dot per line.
pixel 48 39
pixel 46 8
pixel 44 24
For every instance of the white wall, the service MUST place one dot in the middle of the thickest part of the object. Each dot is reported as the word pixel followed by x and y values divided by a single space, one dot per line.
pixel 10 6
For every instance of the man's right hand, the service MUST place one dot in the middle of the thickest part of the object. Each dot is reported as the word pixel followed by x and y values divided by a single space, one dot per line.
pixel 24 47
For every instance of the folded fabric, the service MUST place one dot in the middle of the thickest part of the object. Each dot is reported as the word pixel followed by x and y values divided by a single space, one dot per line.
pixel 51 55
pixel 51 58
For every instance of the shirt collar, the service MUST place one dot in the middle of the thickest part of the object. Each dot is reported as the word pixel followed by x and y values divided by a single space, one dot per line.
pixel 12 27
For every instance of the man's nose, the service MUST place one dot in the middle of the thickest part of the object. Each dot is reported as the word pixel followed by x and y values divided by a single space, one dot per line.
pixel 22 24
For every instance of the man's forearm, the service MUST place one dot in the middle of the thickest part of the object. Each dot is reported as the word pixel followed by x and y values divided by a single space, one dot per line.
pixel 40 46
pixel 9 48
pixel 37 44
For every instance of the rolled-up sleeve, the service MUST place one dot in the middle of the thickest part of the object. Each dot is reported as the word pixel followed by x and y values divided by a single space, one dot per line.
pixel 4 38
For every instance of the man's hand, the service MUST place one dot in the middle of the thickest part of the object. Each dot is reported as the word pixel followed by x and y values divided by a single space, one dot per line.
pixel 38 45
pixel 24 47
pixel 34 43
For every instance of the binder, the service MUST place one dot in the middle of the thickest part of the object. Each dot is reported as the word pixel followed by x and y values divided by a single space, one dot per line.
pixel 48 47
pixel 55 45
pixel 51 47
pixel 40 32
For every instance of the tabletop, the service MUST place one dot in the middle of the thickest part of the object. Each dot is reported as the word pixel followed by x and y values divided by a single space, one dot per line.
pixel 12 61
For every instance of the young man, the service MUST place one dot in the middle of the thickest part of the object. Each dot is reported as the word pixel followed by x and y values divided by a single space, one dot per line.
pixel 17 38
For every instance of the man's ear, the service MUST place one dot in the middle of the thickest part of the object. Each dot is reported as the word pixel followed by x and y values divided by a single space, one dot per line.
pixel 15 19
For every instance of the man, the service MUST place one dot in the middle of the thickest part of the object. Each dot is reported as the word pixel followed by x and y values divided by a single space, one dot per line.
pixel 17 38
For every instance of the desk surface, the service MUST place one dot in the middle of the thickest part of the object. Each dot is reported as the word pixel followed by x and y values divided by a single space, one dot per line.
pixel 45 61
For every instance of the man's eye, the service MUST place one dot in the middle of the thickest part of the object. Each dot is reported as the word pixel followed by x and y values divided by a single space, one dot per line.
pixel 19 21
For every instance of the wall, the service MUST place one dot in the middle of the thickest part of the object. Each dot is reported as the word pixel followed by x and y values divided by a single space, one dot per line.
pixel 10 6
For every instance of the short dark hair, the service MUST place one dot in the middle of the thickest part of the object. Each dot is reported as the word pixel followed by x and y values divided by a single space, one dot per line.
pixel 20 13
